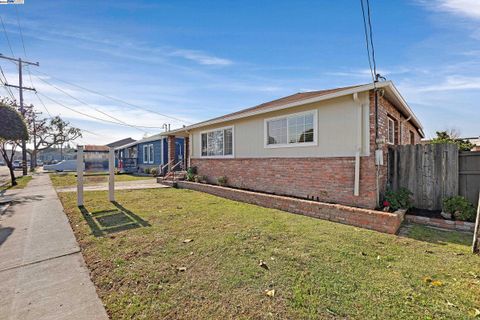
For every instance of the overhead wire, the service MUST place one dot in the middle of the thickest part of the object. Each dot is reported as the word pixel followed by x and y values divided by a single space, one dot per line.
pixel 112 98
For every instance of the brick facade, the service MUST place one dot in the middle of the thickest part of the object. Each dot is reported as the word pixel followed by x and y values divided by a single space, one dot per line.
pixel 328 179
pixel 171 151
pixel 325 179
pixel 364 218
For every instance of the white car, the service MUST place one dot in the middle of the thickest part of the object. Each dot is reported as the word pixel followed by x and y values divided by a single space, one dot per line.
pixel 64 165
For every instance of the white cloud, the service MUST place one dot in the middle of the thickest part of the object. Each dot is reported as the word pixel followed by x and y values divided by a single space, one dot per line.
pixel 453 83
pixel 201 57
pixel 467 8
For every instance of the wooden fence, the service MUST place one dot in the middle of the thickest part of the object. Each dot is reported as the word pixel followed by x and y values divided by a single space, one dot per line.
pixel 430 171
pixel 469 176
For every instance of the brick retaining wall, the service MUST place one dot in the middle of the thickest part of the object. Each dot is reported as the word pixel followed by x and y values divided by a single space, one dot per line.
pixel 364 218
pixel 322 179
pixel 442 223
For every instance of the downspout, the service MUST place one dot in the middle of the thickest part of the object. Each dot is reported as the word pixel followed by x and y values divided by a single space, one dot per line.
pixel 356 187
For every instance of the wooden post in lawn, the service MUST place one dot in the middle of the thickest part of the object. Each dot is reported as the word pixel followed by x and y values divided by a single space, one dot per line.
pixel 79 176
pixel 476 231
pixel 111 175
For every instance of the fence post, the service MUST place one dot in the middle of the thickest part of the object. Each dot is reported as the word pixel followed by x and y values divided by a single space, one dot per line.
pixel 476 231
pixel 79 176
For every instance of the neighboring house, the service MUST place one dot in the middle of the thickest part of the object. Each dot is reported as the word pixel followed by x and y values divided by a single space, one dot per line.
pixel 318 145
pixel 120 143
pixel 151 152
pixel 475 141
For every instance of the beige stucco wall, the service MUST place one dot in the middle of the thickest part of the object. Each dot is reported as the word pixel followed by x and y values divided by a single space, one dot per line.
pixel 343 127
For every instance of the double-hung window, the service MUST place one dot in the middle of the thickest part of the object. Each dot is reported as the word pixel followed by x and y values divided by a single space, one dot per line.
pixel 148 155
pixel 391 131
pixel 217 143
pixel 298 129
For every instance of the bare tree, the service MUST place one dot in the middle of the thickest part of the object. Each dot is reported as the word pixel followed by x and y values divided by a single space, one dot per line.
pixel 47 133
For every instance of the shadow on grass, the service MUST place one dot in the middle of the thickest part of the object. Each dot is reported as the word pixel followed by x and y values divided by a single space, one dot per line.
pixel 105 222
pixel 435 235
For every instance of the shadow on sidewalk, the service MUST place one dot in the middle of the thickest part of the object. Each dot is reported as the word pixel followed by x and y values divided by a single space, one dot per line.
pixel 105 222
pixel 5 233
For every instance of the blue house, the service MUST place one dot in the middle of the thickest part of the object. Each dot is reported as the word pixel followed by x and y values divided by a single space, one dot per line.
pixel 148 153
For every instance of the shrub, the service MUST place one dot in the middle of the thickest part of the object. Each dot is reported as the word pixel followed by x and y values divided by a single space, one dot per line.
pixel 400 199
pixel 460 208
pixel 222 181
pixel 191 172
pixel 154 172
pixel 201 179
pixel 146 170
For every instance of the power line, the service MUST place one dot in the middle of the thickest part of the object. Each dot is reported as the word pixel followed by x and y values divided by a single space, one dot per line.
pixel 84 103
pixel 6 36
pixel 371 40
pixel 114 98
pixel 88 115
pixel 367 39
pixel 23 44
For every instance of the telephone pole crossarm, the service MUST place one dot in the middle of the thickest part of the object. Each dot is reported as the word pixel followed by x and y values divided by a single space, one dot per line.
pixel 20 88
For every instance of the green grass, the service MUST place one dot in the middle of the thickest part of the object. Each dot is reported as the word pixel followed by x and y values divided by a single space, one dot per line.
pixel 318 269
pixel 21 183
pixel 70 179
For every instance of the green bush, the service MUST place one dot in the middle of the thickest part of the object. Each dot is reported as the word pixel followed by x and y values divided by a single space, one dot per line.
pixel 154 172
pixel 460 208
pixel 222 181
pixel 201 179
pixel 146 170
pixel 400 199
pixel 191 172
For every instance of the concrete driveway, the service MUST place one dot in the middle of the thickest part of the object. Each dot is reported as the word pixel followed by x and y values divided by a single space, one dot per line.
pixel 42 272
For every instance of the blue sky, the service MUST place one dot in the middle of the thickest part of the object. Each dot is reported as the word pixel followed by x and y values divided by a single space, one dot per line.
pixel 198 59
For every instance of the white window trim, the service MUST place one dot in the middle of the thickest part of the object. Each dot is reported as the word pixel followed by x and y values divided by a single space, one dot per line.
pixel 152 153
pixel 217 157
pixel 145 153
pixel 390 119
pixel 291 145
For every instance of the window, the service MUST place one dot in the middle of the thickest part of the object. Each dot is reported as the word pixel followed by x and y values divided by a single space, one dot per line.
pixel 412 137
pixel 297 129
pixel 217 143
pixel 148 155
pixel 391 131
pixel 145 154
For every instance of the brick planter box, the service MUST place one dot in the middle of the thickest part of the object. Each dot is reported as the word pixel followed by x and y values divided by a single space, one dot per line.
pixel 442 223
pixel 364 218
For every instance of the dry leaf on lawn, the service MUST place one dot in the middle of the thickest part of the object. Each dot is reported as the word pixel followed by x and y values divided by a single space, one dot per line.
pixel 263 265
pixel 270 293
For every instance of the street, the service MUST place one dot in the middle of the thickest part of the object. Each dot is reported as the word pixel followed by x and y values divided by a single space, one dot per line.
pixel 5 174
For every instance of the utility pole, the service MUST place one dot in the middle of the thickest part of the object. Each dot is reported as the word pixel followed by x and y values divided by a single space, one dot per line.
pixel 20 88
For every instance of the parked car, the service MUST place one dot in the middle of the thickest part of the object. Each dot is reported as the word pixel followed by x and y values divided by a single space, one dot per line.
pixel 17 164
pixel 64 165
pixel 39 163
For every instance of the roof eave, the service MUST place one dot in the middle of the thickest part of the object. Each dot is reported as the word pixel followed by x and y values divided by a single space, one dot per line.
pixel 366 87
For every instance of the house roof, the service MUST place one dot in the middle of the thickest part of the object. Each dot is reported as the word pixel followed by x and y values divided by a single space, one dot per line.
pixel 121 142
pixel 157 136
pixel 301 98
pixel 95 148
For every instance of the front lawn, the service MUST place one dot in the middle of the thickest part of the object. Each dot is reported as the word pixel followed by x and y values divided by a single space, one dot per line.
pixel 197 256
pixel 70 179
pixel 21 183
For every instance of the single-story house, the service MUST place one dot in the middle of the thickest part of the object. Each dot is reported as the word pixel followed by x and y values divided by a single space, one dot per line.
pixel 151 152
pixel 329 145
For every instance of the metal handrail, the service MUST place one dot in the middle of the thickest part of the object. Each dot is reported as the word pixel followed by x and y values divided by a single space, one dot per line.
pixel 165 166
pixel 179 162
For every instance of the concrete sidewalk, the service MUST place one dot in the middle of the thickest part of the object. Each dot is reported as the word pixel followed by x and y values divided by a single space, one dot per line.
pixel 42 272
